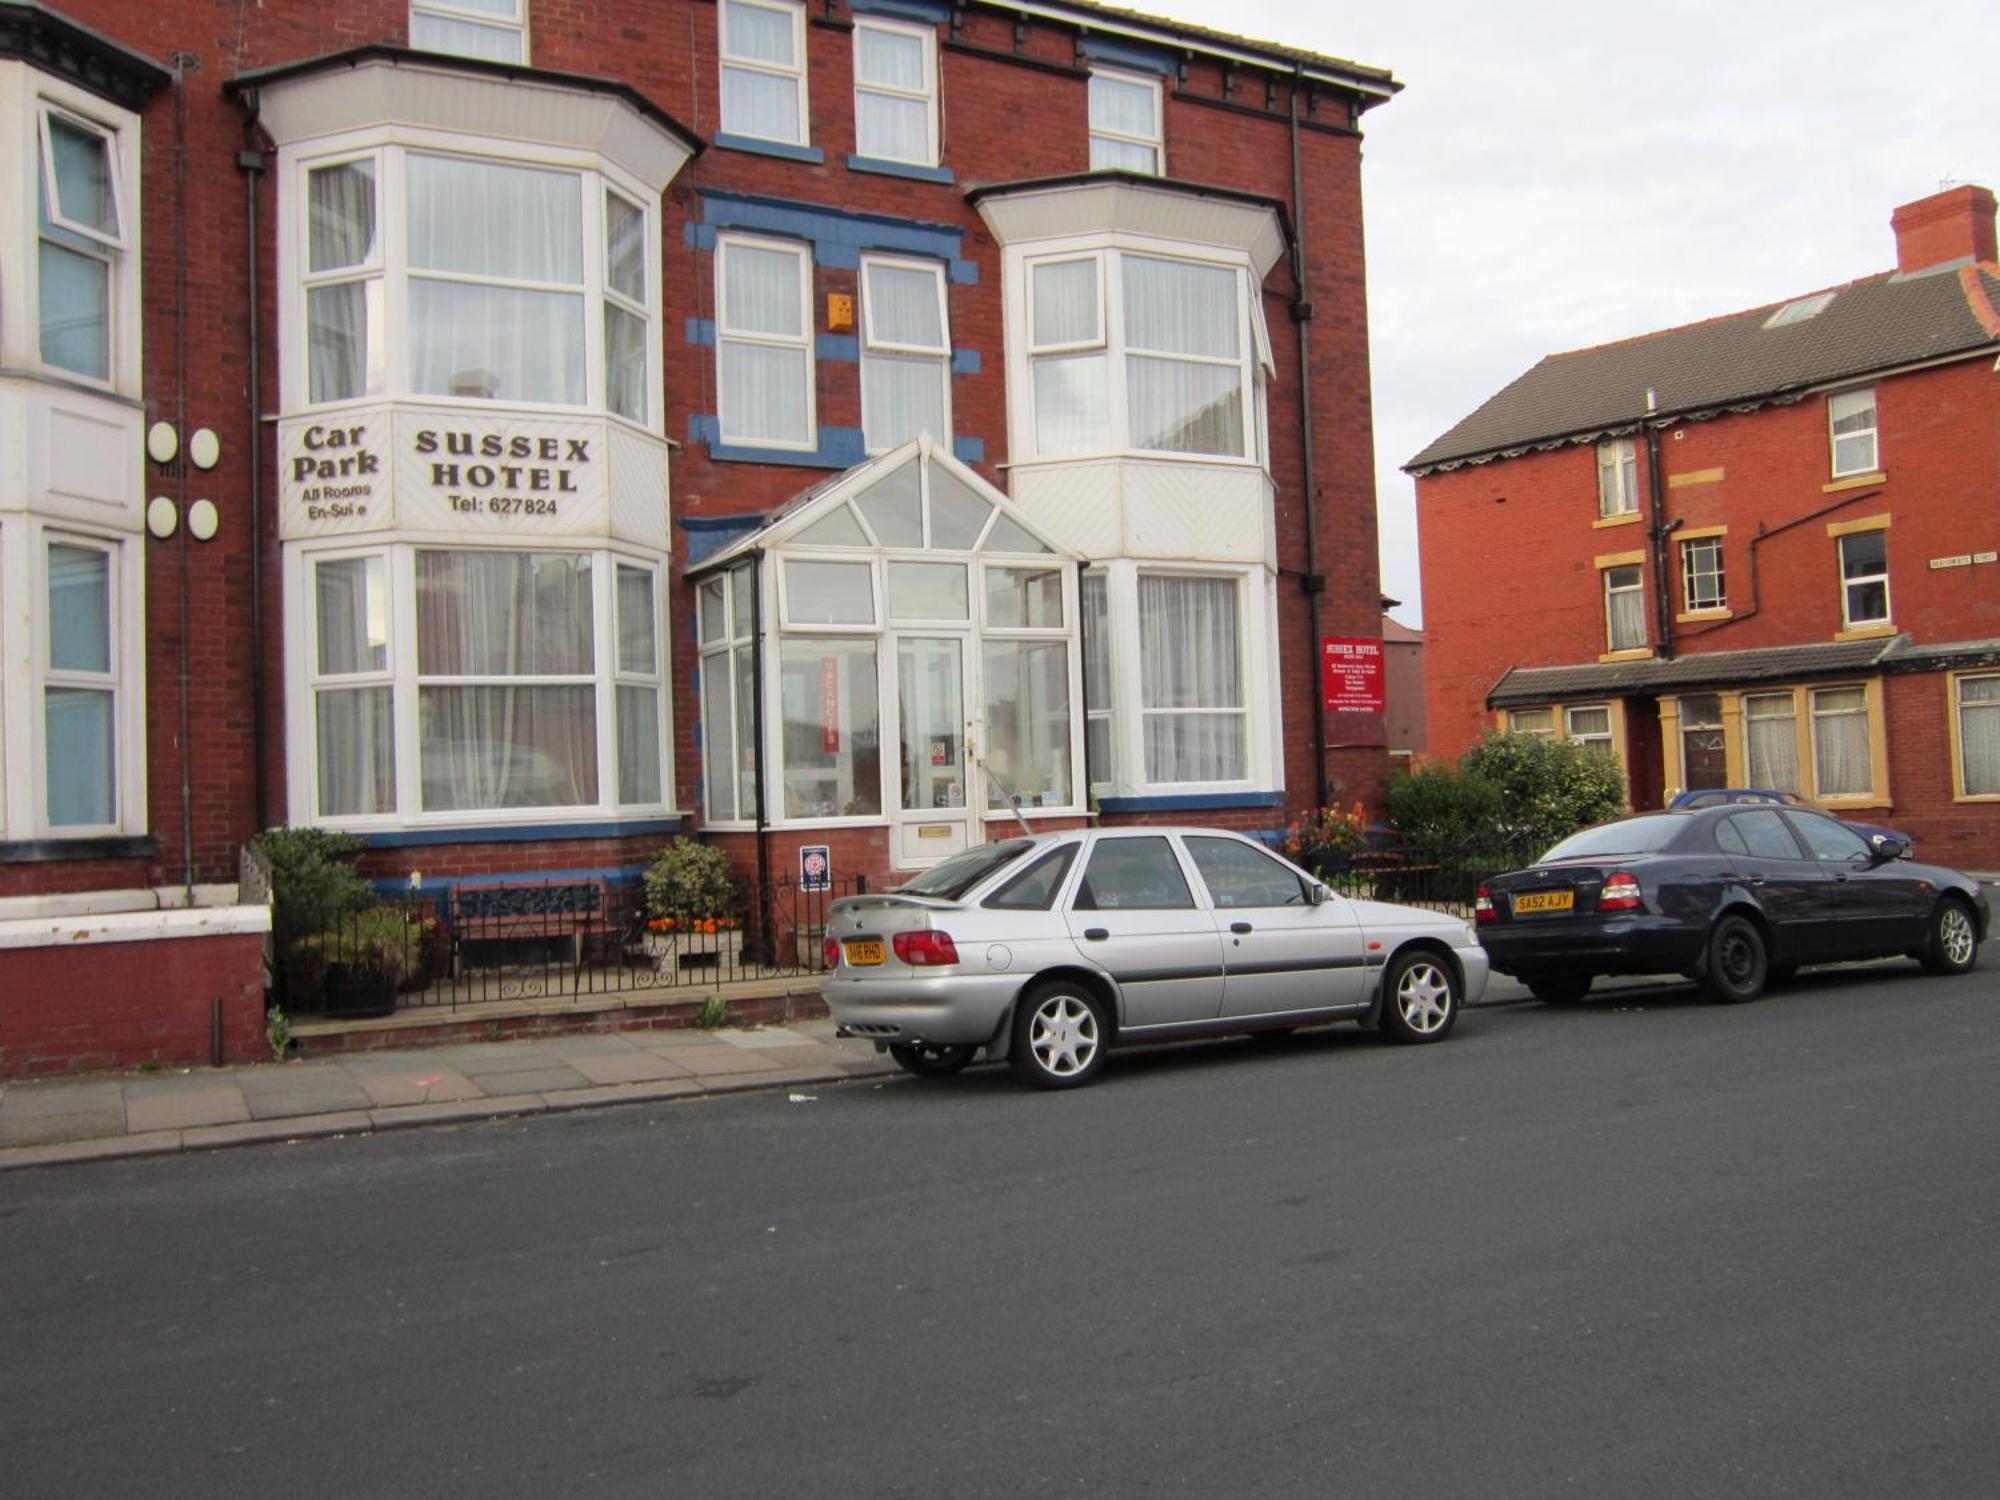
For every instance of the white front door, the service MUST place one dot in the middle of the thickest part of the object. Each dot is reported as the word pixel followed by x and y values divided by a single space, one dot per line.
pixel 933 813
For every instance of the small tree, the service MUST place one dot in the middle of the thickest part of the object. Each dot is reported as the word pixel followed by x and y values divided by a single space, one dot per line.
pixel 689 883
pixel 1548 788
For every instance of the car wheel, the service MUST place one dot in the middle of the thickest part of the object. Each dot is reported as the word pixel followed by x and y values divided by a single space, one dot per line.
pixel 1419 998
pixel 1737 963
pixel 1560 989
pixel 931 1059
pixel 1954 940
pixel 1060 1032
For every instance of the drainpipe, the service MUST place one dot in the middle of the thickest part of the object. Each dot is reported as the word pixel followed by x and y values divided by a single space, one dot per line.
pixel 1663 597
pixel 183 63
pixel 251 162
pixel 757 739
pixel 1315 581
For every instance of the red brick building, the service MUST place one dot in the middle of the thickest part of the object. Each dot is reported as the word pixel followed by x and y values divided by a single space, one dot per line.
pixel 516 433
pixel 1756 551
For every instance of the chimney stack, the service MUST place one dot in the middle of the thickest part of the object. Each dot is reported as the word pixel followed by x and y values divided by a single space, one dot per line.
pixel 1956 224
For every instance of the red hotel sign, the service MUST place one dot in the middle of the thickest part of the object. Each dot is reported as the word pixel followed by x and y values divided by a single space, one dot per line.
pixel 829 704
pixel 1351 673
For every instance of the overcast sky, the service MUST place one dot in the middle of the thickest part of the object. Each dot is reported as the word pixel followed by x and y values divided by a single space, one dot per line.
pixel 1558 173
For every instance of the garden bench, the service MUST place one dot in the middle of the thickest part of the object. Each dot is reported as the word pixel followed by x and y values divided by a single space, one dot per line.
pixel 515 910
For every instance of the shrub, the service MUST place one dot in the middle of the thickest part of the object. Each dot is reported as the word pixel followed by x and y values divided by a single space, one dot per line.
pixel 313 876
pixel 1548 787
pixel 1324 841
pixel 1444 814
pixel 380 941
pixel 689 883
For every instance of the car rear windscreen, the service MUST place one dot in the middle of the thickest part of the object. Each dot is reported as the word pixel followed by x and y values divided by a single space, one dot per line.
pixel 955 876
pixel 1647 835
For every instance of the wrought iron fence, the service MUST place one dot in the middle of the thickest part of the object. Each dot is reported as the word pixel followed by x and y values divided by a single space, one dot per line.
pixel 1438 884
pixel 541 939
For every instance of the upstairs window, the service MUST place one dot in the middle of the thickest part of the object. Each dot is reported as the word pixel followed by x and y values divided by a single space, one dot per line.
pixel 895 91
pixel 1617 479
pixel 1851 417
pixel 1625 608
pixel 764 342
pixel 1864 578
pixel 764 70
pixel 82 244
pixel 1125 123
pixel 495 30
pixel 1701 574
pixel 905 352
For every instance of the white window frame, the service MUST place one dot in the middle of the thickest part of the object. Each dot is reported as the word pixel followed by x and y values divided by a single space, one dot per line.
pixel 1601 740
pixel 1617 478
pixel 1637 586
pixel 48 98
pixel 302 678
pixel 1103 770
pixel 24 646
pixel 881 349
pixel 718 653
pixel 1961 786
pixel 1693 574
pixel 318 681
pixel 615 298
pixel 1840 407
pixel 725 336
pixel 1848 585
pixel 1156 142
pixel 928 96
pixel 391 349
pixel 486 20
pixel 655 681
pixel 797 74
pixel 1109 252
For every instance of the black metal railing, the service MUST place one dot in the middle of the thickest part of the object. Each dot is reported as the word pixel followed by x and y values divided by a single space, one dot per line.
pixel 467 944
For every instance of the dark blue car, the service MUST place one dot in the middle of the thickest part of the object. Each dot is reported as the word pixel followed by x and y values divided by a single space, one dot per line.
pixel 1731 896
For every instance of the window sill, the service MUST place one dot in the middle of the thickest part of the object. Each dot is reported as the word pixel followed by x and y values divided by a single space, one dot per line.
pixel 1864 632
pixel 1854 802
pixel 838 448
pixel 1632 518
pixel 517 833
pixel 1636 653
pixel 103 846
pixel 784 150
pixel 907 169
pixel 1854 482
pixel 1188 801
pixel 1697 616
pixel 1980 798
pixel 1137 455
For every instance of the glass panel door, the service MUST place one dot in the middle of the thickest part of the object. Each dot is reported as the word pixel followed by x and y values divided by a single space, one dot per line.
pixel 933 816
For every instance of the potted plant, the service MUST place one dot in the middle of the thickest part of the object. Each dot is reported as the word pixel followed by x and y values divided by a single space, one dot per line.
pixel 367 957
pixel 693 907
pixel 314 884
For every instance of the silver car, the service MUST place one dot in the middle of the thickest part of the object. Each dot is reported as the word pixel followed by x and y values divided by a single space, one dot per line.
pixel 1050 949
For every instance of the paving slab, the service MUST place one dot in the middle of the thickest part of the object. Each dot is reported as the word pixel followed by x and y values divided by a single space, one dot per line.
pixel 632 1067
pixel 717 1060
pixel 36 1114
pixel 772 1037
pixel 551 1075
pixel 306 1089
pixel 592 1044
pixel 475 1059
pixel 176 1104
pixel 395 1087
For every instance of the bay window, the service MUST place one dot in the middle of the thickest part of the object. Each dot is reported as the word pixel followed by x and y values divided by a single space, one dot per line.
pixel 516 282
pixel 764 342
pixel 80 686
pixel 1139 352
pixel 466 681
pixel 496 30
pixel 81 244
pixel 895 91
pixel 764 70
pixel 905 352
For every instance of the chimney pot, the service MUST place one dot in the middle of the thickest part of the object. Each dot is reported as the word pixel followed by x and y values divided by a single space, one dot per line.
pixel 1956 224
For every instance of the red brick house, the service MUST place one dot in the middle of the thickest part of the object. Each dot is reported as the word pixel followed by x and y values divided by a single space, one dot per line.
pixel 1759 550
pixel 525 432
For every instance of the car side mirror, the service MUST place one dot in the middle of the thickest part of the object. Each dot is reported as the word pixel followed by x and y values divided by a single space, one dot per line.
pixel 1883 847
pixel 1317 894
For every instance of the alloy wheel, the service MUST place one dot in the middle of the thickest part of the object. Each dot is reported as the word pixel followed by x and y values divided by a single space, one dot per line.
pixel 1063 1035
pixel 1424 998
pixel 1955 935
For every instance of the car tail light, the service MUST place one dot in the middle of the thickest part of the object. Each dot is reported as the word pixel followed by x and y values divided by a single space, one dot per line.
pixel 1620 893
pixel 925 949
pixel 833 953
pixel 1482 907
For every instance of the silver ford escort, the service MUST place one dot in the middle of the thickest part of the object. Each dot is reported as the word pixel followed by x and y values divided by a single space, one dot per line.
pixel 1047 950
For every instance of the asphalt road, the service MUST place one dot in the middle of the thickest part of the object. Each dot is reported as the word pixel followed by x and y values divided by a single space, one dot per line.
pixel 1653 1248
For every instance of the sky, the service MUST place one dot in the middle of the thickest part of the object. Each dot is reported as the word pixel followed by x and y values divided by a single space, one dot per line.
pixel 1557 174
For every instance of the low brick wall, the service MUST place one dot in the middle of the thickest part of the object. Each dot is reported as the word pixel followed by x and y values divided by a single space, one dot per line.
pixel 83 1006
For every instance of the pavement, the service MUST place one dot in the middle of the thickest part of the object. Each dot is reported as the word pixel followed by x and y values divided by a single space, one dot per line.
pixel 55 1121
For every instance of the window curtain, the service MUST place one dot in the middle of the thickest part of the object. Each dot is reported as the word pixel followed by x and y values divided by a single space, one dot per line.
pixel 1979 734
pixel 892 126
pixel 506 615
pixel 1189 660
pixel 763 385
pixel 1770 734
pixel 1065 303
pixel 1625 609
pixel 757 103
pixel 903 394
pixel 1840 742
pixel 1177 307
pixel 1126 108
pixel 518 224
pixel 430 32
pixel 354 726
pixel 79 734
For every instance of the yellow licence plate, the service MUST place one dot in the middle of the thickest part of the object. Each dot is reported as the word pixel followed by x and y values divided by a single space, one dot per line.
pixel 865 951
pixel 1544 901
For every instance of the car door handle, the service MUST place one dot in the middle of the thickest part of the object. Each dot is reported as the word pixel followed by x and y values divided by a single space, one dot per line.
pixel 1239 926
pixel 1096 934
pixel 1755 879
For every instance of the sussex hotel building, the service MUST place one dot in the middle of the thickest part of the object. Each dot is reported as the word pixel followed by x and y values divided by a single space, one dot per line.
pixel 1757 551
pixel 519 433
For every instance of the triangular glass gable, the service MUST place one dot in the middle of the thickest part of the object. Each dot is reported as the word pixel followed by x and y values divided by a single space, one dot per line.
pixel 957 514
pixel 837 528
pixel 894 507
pixel 1009 535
